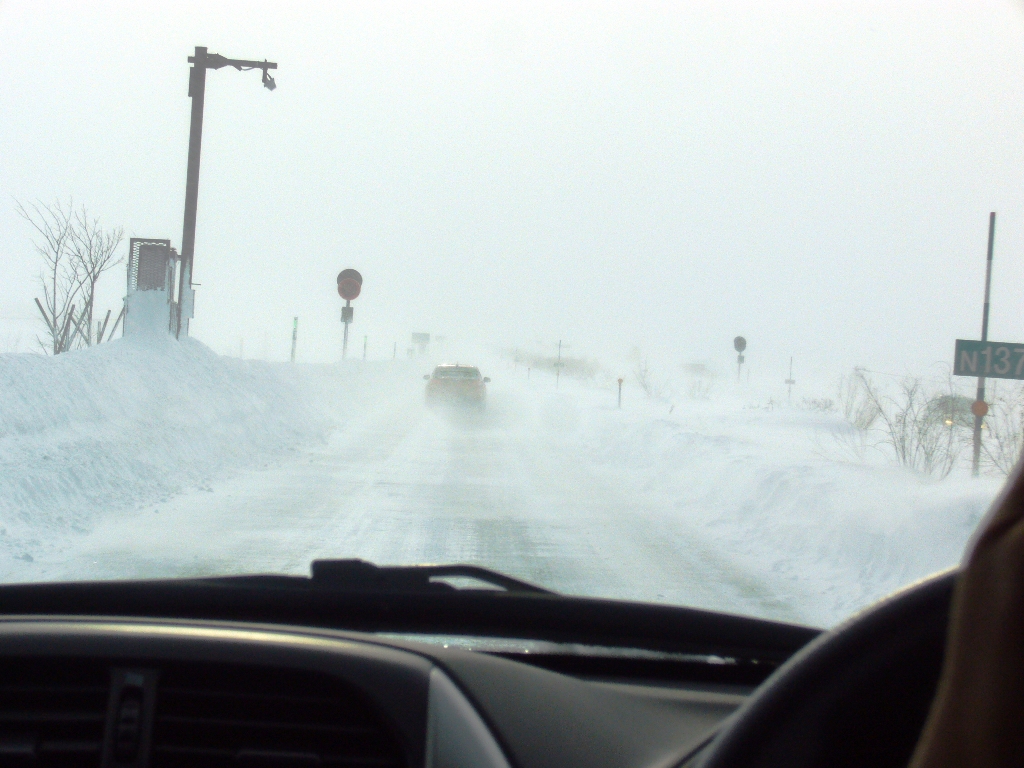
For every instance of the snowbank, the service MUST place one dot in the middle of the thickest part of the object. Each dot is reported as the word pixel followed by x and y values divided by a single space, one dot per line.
pixel 89 433
pixel 821 536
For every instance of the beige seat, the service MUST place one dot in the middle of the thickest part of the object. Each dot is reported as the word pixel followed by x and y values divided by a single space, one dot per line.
pixel 977 716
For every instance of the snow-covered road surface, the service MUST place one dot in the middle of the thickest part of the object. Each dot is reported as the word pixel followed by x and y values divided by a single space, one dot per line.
pixel 712 505
pixel 406 484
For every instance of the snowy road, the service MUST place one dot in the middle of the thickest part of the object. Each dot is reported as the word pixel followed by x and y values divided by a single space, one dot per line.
pixel 261 467
pixel 404 484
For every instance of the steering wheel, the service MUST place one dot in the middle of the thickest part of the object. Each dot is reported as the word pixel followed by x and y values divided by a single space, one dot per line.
pixel 855 696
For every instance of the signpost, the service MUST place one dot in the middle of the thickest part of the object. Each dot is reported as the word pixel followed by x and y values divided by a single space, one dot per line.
pixel 986 359
pixel 350 285
pixel 558 364
pixel 739 344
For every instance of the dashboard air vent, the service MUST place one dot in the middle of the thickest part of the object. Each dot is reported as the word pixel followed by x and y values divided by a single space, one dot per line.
pixel 52 712
pixel 219 715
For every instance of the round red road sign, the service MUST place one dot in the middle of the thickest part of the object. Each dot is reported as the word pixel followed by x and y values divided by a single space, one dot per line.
pixel 979 408
pixel 347 274
pixel 349 288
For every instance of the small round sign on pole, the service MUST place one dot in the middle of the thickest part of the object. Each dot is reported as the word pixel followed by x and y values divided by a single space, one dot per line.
pixel 979 408
pixel 739 343
pixel 350 274
pixel 349 288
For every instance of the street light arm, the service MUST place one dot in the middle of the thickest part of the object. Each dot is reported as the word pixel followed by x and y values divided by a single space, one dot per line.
pixel 216 61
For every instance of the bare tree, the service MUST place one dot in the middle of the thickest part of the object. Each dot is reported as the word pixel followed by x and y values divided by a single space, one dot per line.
pixel 59 277
pixel 93 251
pixel 76 251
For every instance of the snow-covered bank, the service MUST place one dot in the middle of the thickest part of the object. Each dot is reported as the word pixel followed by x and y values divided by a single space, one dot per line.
pixel 761 492
pixel 95 432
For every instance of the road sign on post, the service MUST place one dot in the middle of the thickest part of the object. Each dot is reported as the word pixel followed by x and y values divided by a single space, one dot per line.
pixel 349 289
pixel 739 344
pixel 988 359
pixel 983 359
pixel 350 285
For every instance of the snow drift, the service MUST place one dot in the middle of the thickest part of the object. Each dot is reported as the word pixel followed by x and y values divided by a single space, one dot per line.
pixel 88 433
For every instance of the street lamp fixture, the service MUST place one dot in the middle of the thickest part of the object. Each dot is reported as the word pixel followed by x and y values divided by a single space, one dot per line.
pixel 201 62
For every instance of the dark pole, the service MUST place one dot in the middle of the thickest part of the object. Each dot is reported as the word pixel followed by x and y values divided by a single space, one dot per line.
pixel 558 365
pixel 984 337
pixel 620 393
pixel 197 92
pixel 344 344
pixel 295 336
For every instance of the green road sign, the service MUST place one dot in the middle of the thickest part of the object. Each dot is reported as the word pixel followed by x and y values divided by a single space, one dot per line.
pixel 991 359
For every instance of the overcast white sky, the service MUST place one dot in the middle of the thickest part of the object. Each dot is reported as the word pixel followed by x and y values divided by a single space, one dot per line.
pixel 814 176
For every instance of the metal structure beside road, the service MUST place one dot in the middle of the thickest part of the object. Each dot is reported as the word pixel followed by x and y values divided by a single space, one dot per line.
pixel 986 359
pixel 201 62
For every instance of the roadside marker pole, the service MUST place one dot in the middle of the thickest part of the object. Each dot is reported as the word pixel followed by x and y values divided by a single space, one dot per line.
pixel 558 365
pixel 790 382
pixel 620 393
pixel 295 335
pixel 346 318
pixel 364 346
pixel 979 416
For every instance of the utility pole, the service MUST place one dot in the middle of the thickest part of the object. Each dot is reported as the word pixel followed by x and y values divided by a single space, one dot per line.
pixel 295 335
pixel 790 382
pixel 201 62
pixel 558 365
pixel 978 408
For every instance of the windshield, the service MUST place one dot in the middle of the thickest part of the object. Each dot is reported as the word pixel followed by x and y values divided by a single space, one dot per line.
pixel 714 261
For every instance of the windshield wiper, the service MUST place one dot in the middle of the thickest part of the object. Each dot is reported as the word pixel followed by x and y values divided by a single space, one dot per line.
pixel 363 576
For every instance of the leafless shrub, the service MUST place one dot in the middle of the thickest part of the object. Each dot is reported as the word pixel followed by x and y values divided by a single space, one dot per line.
pixel 1004 438
pixel 645 379
pixel 699 380
pixel 922 431
pixel 819 405
pixel 855 402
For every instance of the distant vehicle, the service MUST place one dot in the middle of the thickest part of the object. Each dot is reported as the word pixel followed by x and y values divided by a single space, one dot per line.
pixel 456 384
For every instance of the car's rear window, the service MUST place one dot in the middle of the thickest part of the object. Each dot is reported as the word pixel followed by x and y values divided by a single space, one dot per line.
pixel 456 373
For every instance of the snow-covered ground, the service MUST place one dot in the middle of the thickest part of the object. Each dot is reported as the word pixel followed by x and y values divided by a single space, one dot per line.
pixel 153 458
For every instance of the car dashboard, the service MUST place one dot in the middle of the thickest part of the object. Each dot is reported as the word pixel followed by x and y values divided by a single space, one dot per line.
pixel 149 686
